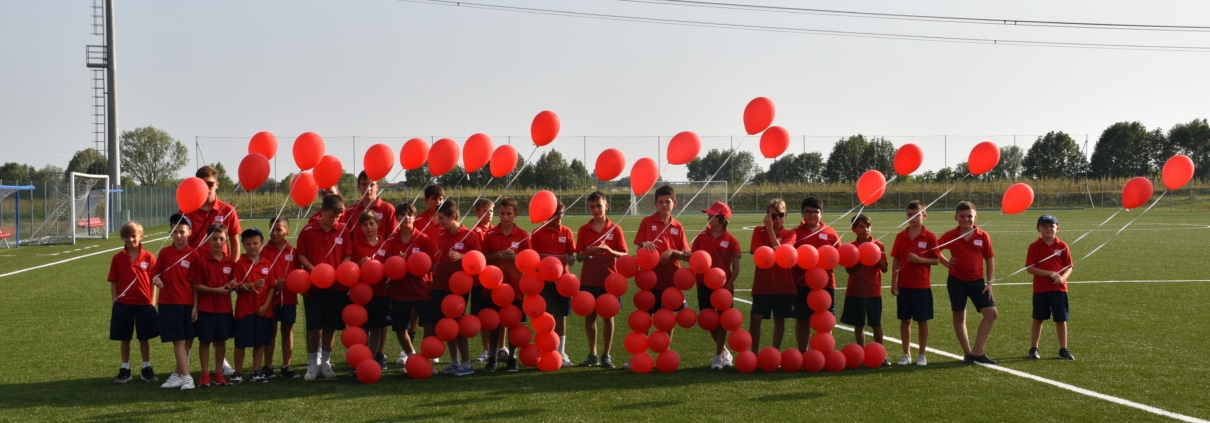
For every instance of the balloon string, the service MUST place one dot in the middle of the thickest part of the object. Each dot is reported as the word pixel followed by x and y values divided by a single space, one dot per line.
pixel 1098 226
pixel 1153 203
pixel 734 151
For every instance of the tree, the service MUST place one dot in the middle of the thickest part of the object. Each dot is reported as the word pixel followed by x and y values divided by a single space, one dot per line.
pixel 879 155
pixel 579 175
pixel 737 170
pixel 799 168
pixel 151 156
pixel 1010 165
pixel 1126 149
pixel 48 173
pixel 224 180
pixel 1191 139
pixel 16 173
pixel 88 161
pixel 843 162
pixel 1054 155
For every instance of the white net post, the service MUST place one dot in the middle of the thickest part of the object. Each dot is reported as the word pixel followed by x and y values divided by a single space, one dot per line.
pixel 692 196
pixel 89 206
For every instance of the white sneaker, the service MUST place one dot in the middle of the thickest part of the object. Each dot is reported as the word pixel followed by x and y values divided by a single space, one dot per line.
pixel 905 360
pixel 626 366
pixel 716 363
pixel 187 383
pixel 502 354
pixel 325 370
pixel 403 358
pixel 728 361
pixel 921 361
pixel 483 356
pixel 312 371
pixel 174 381
pixel 227 369
pixel 567 361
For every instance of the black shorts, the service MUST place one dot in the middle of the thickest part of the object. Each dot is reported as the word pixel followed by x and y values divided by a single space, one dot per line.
pixel 1051 303
pixel 378 312
pixel 596 291
pixel 176 322
pixel 915 304
pixel 960 290
pixel 802 311
pixel 214 327
pixel 703 297
pixel 286 314
pixel 125 319
pixel 862 311
pixel 481 299
pixel 779 305
pixel 324 308
pixel 253 331
pixel 556 304
pixel 401 314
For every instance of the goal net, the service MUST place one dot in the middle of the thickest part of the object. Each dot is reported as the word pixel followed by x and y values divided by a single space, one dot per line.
pixel 79 208
pixel 691 196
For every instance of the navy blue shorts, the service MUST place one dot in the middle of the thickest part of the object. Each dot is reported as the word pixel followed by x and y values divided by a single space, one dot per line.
pixel 915 304
pixel 703 297
pixel 1051 303
pixel 323 308
pixel 779 305
pixel 802 311
pixel 253 331
pixel 176 322
pixel 125 319
pixel 285 314
pixel 214 327
pixel 596 291
pixel 481 299
pixel 862 311
pixel 401 314
pixel 659 301
pixel 960 290
pixel 378 312
pixel 556 304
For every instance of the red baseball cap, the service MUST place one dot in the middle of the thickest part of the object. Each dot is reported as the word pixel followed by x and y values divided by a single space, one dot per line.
pixel 719 208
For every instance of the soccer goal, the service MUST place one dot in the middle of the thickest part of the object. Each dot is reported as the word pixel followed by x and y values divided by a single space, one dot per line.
pixel 692 196
pixel 79 209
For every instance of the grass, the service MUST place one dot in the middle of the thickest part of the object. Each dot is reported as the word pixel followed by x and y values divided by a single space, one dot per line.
pixel 1134 340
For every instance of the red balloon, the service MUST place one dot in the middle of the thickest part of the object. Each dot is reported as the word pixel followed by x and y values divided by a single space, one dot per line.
pixel 616 284
pixel 328 172
pixel 431 347
pixel 453 305
pixel 413 154
pixel 1136 193
pixel 583 303
pixel 721 299
pixel 813 361
pixel 191 194
pixel 769 359
pixel 419 264
pixel 819 300
pixel 609 164
pixel 647 259
pixel 379 160
pixel 527 261
pixel 473 262
pixel 668 361
pixel 504 296
pixel 823 322
pixel 469 325
pixel 489 319
pixel 731 319
pixel 419 369
pixel 870 187
pixel 443 156
pixel 829 257
pixel 627 265
pixel 983 158
pixel 708 319
pixel 504 160
pixel 869 254
pixel 510 315
pixel 491 277
pixel 371 271
pixel 568 285
pixel 774 141
pixel 1178 170
pixel 608 306
pixel 533 305
pixel 1017 198
pixel 908 158
pixel 396 267
pixel 764 257
pixel 550 268
pixel 745 362
pixel 358 353
pixel 663 320
pixel 817 278
pixel 323 275
pixel 659 341
pixel 641 364
pixel 834 361
pixel 520 335
pixel 253 171
pixel 672 299
pixel 530 355
pixel 476 152
pixel 550 361
pixel 684 278
pixel 461 282
pixel 542 206
pixel 531 284
pixel 348 273
pixel 308 148
pixel 547 341
pixel 544 323
pixel 875 355
pixel 298 281
pixel 352 335
pixel 354 315
pixel 644 300
pixel 791 360
pixel 643 175
pixel 808 256
pixel 823 341
pixel 740 340
pixel 715 278
pixel 447 329
pixel 786 256
pixel 849 255
pixel 699 262
pixel 635 342
pixel 854 355
pixel 263 143
pixel 683 148
pixel 369 371
pixel 758 115
pixel 645 280
pixel 303 189
pixel 545 128
pixel 361 294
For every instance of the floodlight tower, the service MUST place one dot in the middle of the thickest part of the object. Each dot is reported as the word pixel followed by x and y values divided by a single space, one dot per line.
pixel 100 59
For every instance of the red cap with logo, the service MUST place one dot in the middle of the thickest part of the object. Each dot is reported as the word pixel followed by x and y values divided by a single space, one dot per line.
pixel 719 208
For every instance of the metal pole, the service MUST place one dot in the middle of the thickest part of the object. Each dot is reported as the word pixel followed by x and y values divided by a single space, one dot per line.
pixel 111 108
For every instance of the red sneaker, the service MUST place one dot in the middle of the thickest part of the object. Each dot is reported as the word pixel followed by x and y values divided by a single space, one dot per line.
pixel 204 381
pixel 219 380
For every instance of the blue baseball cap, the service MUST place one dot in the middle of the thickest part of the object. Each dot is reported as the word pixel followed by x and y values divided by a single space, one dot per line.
pixel 1047 218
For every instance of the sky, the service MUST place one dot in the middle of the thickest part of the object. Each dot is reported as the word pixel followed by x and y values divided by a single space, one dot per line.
pixel 214 73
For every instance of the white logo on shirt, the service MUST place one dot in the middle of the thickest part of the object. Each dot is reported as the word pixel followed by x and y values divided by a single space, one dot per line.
pixel 379 216
pixel 218 219
pixel 1059 251
pixel 609 237
pixel 654 228
pixel 978 243
pixel 562 240
pixel 143 265
pixel 922 244
pixel 185 263
pixel 226 270
pixel 725 244
pixel 382 253
pixel 415 250
pixel 674 231
pixel 515 246
pixel 289 257
pixel 823 237
pixel 340 241
pixel 264 271
pixel 459 246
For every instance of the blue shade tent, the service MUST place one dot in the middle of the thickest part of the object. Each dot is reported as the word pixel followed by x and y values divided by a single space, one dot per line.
pixel 5 192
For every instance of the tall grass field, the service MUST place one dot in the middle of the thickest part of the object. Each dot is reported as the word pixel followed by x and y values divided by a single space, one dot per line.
pixel 1138 330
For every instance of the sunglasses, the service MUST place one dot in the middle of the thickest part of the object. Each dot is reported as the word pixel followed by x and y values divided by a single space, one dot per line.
pixel 777 215
pixel 211 184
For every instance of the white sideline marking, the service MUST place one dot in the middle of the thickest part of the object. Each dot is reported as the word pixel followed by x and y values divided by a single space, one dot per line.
pixel 1018 373
pixel 70 259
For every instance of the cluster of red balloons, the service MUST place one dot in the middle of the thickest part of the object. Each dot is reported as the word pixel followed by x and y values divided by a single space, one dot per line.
pixel 1177 172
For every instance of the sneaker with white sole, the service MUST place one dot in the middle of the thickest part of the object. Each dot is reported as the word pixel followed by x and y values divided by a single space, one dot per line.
pixel 236 378
pixel 716 363
pixel 467 368
pixel 1033 353
pixel 728 360
pixel 451 368
pixel 227 369
pixel 325 370
pixel 187 383
pixel 626 366
pixel 502 354
pixel 606 362
pixel 288 372
pixel 567 361
pixel 905 360
pixel 312 371
pixel 921 361
pixel 402 360
pixel 123 376
pixel 148 375
pixel 482 356
pixel 174 381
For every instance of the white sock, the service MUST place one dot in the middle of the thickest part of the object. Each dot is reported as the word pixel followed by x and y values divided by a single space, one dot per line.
pixel 311 357
pixel 146 364
pixel 126 366
pixel 562 343
pixel 325 357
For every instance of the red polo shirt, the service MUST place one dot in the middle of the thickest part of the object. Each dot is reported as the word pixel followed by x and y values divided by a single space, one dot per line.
pixel 969 253
pixel 412 287
pixel 132 276
pixel 776 279
pixel 214 273
pixel 1054 257
pixel 596 268
pixel 815 238
pixel 865 281
pixel 281 262
pixel 173 266
pixel 248 302
pixel 220 212
pixel 670 236
pixel 914 275
pixel 556 242
pixel 461 241
pixel 722 250
pixel 496 241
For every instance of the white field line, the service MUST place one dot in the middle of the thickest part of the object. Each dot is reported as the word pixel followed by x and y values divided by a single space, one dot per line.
pixel 1018 373
pixel 68 260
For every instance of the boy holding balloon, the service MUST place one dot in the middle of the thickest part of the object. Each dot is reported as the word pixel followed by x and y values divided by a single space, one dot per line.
pixel 285 301
pixel 413 293
pixel 213 279
pixel 914 252
pixel 662 233
pixel 369 246
pixel 972 269
pixel 480 298
pixel 369 201
pixel 773 291
pixel 253 306
pixel 814 232
pixel 723 250
pixel 321 243
pixel 500 247
pixel 1049 260
pixel 863 295
pixel 601 242
pixel 454 241
pixel 555 240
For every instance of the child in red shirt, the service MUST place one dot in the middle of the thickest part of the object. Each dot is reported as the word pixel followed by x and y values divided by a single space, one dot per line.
pixel 555 240
pixel 411 295
pixel 280 255
pixel 863 295
pixel 773 290
pixel 500 246
pixel 601 242
pixel 814 232
pixel 479 298
pixel 914 252
pixel 971 255
pixel 724 254
pixel 1049 260
pixel 213 281
pixel 365 247
pixel 253 306
pixel 661 233
pixel 172 267
pixel 321 242
pixel 133 299
pixel 454 241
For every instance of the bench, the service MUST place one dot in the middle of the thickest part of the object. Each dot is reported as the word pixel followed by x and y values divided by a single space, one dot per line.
pixel 5 234
pixel 90 222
